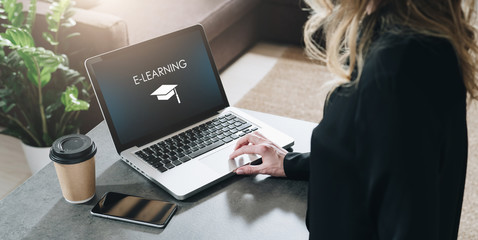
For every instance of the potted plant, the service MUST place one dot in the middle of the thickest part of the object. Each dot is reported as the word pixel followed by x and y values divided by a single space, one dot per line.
pixel 39 93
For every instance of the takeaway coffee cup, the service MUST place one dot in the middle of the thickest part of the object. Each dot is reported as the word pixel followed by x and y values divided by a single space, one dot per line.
pixel 74 159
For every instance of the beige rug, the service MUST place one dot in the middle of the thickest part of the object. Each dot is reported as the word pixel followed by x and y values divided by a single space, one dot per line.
pixel 290 89
pixel 294 88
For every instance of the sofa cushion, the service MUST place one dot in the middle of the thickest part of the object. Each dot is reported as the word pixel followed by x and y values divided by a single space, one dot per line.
pixel 225 15
pixel 147 19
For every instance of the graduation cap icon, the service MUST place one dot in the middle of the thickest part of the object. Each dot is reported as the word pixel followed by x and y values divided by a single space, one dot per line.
pixel 165 92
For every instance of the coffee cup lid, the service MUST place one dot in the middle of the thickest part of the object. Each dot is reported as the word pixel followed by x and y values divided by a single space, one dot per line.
pixel 71 149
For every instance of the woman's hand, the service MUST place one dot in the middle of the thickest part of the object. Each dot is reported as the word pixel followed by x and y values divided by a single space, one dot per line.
pixel 272 155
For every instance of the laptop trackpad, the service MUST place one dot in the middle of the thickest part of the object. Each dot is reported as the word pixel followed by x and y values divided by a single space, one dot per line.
pixel 220 162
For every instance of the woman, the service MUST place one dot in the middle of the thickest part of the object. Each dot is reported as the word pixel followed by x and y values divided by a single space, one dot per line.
pixel 388 159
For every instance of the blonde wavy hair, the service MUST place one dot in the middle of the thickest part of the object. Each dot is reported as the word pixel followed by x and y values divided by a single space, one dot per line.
pixel 339 21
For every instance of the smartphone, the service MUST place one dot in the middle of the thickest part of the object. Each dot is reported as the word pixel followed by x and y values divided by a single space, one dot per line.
pixel 123 207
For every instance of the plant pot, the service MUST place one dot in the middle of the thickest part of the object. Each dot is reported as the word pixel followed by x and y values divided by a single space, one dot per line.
pixel 37 157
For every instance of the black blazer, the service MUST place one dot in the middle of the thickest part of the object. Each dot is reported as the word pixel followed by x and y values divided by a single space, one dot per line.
pixel 388 159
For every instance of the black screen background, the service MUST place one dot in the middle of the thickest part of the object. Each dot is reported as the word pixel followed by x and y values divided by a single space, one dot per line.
pixel 133 111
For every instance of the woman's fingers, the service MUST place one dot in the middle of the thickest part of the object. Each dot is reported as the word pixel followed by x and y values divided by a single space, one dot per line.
pixel 272 155
pixel 249 138
pixel 241 142
pixel 249 149
pixel 248 170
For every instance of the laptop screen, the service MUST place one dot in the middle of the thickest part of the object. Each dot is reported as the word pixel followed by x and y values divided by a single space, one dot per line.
pixel 157 87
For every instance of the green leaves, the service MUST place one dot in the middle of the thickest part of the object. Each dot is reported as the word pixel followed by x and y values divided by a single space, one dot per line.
pixel 13 11
pixel 40 63
pixel 69 98
pixel 47 36
pixel 69 22
pixel 35 83
pixel 32 12
pixel 57 9
pixel 5 106
pixel 18 37
pixel 70 75
pixel 60 16
pixel 51 108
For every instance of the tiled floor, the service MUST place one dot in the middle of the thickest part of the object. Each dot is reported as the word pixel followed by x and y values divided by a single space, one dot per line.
pixel 238 79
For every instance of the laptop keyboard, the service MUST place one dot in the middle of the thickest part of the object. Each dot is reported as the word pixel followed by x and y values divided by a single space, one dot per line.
pixel 194 142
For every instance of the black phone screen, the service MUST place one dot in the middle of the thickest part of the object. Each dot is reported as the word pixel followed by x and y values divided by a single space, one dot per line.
pixel 134 209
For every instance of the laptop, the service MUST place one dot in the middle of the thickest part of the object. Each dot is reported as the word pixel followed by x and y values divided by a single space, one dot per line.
pixel 167 112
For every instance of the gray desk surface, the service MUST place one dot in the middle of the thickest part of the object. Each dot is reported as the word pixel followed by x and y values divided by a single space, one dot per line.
pixel 241 207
